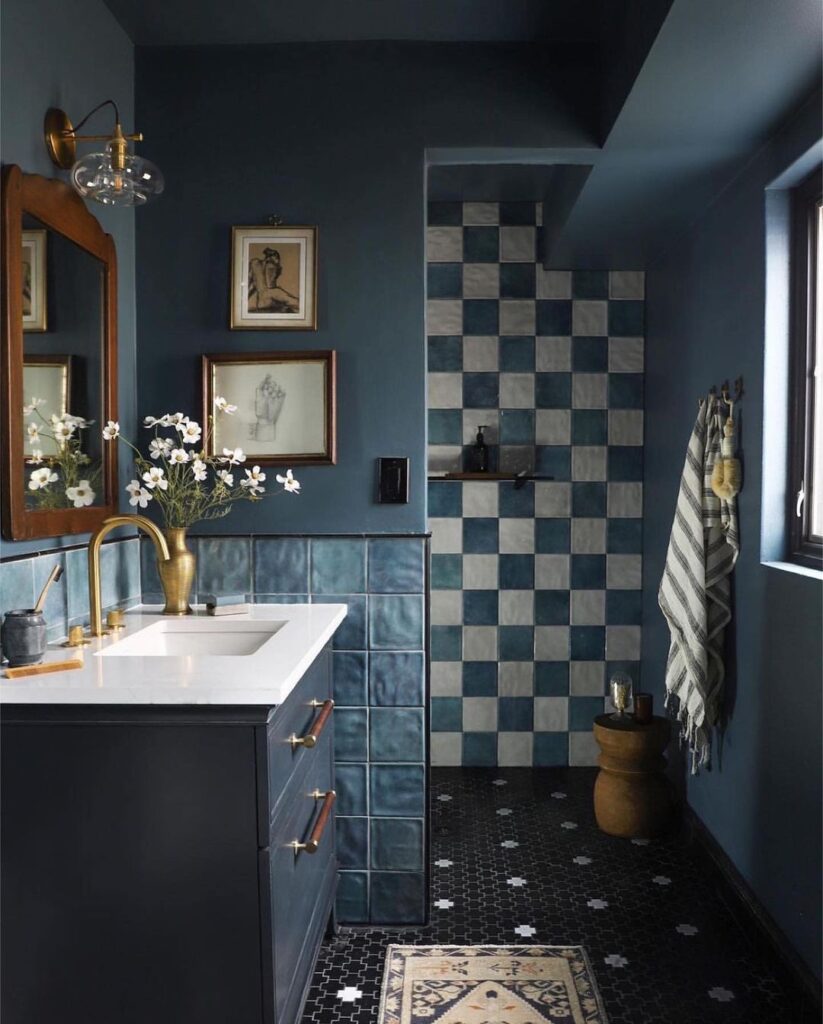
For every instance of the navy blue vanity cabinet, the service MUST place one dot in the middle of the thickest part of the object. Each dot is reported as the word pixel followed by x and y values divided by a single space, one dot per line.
pixel 153 860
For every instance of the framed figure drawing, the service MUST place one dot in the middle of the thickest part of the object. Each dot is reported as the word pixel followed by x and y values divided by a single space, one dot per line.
pixel 34 280
pixel 274 278
pixel 286 406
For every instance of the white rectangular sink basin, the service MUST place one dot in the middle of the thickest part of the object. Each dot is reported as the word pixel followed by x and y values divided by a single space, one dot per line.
pixel 198 637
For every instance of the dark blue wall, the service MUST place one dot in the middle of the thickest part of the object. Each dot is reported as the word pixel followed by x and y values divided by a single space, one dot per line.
pixel 705 323
pixel 71 56
pixel 332 135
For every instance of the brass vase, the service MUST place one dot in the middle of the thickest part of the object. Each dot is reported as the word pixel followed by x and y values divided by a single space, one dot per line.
pixel 177 574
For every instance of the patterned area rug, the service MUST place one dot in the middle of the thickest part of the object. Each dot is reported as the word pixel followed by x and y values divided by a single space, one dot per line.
pixel 489 985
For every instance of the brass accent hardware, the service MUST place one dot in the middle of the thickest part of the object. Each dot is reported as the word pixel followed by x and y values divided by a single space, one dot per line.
pixel 95 610
pixel 77 638
pixel 313 842
pixel 317 726
pixel 114 619
pixel 62 138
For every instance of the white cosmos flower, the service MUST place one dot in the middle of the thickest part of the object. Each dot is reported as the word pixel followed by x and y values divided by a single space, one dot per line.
pixel 226 477
pixel 175 419
pixel 33 404
pixel 35 458
pixel 41 478
pixel 178 456
pixel 33 431
pixel 221 404
pixel 288 482
pixel 233 456
pixel 190 432
pixel 255 475
pixel 139 496
pixel 63 430
pixel 155 477
pixel 78 421
pixel 253 480
pixel 134 487
pixel 80 495
pixel 159 447
pixel 111 430
pixel 198 467
pixel 252 487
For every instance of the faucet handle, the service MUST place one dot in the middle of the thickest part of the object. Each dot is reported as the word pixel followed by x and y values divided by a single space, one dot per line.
pixel 114 619
pixel 77 637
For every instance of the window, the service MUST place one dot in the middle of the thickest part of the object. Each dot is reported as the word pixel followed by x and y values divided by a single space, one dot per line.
pixel 806 442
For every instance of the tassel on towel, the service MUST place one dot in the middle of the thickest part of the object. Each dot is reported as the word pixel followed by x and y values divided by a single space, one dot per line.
pixel 695 592
pixel 726 475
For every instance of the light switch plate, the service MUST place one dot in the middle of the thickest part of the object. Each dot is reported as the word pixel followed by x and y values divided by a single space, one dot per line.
pixel 393 481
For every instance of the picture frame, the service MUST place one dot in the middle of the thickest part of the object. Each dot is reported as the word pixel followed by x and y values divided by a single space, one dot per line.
pixel 48 377
pixel 274 278
pixel 35 315
pixel 286 406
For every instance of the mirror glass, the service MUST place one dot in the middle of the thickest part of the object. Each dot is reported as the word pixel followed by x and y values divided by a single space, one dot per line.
pixel 63 345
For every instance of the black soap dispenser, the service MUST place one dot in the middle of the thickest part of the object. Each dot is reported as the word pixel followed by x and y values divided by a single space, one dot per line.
pixel 480 452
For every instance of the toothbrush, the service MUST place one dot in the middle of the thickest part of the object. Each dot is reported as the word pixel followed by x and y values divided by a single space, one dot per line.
pixel 54 576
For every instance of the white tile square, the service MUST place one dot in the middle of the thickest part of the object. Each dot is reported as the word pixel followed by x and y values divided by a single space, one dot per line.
pixel 478 214
pixel 626 426
pixel 554 284
pixel 590 390
pixel 445 390
pixel 446 749
pixel 514 749
pixel 516 390
pixel 553 354
pixel 627 284
pixel 625 355
pixel 447 679
pixel 480 353
pixel 516 608
pixel 517 244
pixel 625 500
pixel 623 643
pixel 480 572
pixel 588 462
pixel 516 458
pixel 588 536
pixel 489 418
pixel 590 317
pixel 480 714
pixel 444 316
pixel 447 536
pixel 588 607
pixel 624 572
pixel 444 245
pixel 551 714
pixel 480 499
pixel 583 750
pixel 444 458
pixel 552 499
pixel 517 316
pixel 480 643
pixel 516 536
pixel 553 426
pixel 587 678
pixel 447 607
pixel 515 678
pixel 551 643
pixel 551 572
pixel 481 280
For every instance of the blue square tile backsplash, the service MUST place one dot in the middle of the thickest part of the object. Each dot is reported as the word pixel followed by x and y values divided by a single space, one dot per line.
pixel 528 600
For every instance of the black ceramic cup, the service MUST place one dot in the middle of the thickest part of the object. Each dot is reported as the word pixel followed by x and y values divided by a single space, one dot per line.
pixel 23 637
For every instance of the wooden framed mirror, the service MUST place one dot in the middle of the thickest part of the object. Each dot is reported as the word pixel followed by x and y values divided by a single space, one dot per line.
pixel 59 360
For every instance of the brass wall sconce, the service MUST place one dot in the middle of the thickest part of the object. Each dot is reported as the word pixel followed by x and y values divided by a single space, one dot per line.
pixel 114 177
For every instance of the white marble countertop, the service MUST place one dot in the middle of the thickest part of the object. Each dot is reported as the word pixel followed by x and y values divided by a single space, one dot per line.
pixel 264 677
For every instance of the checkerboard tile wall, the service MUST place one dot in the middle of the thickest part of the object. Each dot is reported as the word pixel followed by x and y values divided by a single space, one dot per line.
pixel 535 591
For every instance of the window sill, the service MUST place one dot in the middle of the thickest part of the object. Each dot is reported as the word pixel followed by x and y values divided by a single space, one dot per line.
pixel 799 570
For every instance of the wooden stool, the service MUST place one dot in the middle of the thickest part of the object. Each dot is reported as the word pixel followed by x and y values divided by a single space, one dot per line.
pixel 632 796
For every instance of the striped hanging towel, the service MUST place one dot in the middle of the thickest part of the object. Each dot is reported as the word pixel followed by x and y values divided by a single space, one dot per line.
pixel 695 592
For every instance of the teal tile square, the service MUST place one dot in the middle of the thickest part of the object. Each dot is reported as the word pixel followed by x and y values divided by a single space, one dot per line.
pixel 480 678
pixel 396 565
pixel 352 900
pixel 396 734
pixel 397 844
pixel 445 352
pixel 626 318
pixel 446 643
pixel 351 782
pixel 338 566
pixel 551 679
pixel 281 565
pixel 517 426
pixel 396 622
pixel 516 643
pixel 445 426
pixel 479 749
pixel 350 673
pixel 351 634
pixel 446 572
pixel 444 280
pixel 516 351
pixel 480 608
pixel 551 607
pixel 351 734
pixel 352 836
pixel 17 585
pixel 551 749
pixel 445 499
pixel 446 714
pixel 515 714
pixel 397 790
pixel 582 712
pixel 223 565
pixel 552 536
pixel 397 897
pixel 397 678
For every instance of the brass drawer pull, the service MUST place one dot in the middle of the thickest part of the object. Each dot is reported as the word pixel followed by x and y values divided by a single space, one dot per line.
pixel 311 845
pixel 317 726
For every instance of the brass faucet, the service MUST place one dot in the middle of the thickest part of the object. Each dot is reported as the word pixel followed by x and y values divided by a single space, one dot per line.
pixel 142 523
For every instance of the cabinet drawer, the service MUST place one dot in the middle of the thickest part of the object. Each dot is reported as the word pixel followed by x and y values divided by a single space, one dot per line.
pixel 294 718
pixel 299 880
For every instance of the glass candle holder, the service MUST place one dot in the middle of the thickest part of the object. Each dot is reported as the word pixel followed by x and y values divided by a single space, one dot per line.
pixel 620 686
